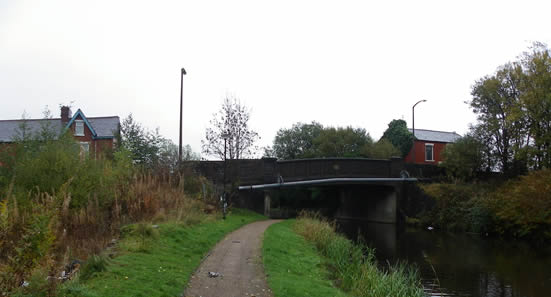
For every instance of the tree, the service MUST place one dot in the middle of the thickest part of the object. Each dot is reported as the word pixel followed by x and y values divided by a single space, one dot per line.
pixel 496 101
pixel 536 103
pixel 232 120
pixel 513 108
pixel 342 142
pixel 463 158
pixel 296 142
pixel 314 141
pixel 383 149
pixel 144 145
pixel 400 137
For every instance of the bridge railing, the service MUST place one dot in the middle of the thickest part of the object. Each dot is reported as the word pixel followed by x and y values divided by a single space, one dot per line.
pixel 308 169
pixel 267 170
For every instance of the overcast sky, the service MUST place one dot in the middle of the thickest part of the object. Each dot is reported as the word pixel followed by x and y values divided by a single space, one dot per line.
pixel 340 63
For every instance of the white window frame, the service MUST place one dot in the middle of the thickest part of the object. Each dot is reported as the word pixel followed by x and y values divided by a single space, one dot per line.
pixel 432 152
pixel 79 128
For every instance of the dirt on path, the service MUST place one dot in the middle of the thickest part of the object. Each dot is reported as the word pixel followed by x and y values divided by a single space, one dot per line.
pixel 234 267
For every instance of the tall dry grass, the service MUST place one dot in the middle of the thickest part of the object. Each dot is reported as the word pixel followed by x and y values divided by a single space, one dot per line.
pixel 46 234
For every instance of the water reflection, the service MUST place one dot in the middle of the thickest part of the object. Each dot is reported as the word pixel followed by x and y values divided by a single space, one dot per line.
pixel 461 264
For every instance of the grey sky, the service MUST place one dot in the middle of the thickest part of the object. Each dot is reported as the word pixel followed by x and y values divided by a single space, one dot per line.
pixel 359 63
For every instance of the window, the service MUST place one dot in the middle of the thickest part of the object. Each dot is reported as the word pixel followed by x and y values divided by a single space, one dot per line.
pixel 84 149
pixel 429 152
pixel 79 128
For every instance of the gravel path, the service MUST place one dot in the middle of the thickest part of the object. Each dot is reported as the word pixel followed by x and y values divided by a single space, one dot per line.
pixel 237 260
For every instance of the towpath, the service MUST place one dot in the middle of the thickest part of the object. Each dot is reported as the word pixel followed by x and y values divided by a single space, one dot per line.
pixel 234 267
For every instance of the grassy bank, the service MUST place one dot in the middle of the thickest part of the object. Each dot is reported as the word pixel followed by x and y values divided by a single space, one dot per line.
pixel 351 267
pixel 58 206
pixel 149 264
pixel 293 266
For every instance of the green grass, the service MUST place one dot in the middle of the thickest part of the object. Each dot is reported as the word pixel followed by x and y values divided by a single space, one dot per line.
pixel 164 265
pixel 353 267
pixel 293 266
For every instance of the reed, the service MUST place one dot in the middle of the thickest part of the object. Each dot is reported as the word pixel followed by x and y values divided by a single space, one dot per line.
pixel 353 266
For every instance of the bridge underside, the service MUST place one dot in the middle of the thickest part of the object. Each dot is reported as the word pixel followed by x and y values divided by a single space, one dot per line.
pixel 370 199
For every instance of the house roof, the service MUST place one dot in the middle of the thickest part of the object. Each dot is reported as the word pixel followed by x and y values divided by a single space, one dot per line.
pixel 436 136
pixel 104 127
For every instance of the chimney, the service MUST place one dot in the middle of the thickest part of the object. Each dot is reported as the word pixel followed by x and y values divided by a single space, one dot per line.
pixel 65 114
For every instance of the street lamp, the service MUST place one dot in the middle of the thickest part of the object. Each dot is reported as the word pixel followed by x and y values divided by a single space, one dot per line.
pixel 413 129
pixel 182 73
pixel 225 136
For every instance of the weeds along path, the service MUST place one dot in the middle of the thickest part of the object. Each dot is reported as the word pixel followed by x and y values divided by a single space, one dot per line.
pixel 234 266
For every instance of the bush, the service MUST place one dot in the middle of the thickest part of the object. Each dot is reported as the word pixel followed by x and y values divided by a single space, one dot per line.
pixel 95 264
pixel 459 207
pixel 53 204
pixel 522 206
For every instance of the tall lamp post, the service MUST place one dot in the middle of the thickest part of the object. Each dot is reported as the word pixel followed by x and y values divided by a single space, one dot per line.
pixel 182 73
pixel 413 129
pixel 225 136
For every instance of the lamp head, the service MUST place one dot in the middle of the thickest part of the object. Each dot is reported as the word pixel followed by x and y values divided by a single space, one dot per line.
pixel 183 71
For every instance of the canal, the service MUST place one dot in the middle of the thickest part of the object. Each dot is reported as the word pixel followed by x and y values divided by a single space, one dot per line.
pixel 461 264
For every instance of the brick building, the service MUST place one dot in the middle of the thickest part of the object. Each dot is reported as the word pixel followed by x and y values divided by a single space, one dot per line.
pixel 94 134
pixel 429 145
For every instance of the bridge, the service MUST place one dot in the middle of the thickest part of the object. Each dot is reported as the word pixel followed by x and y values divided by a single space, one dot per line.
pixel 350 188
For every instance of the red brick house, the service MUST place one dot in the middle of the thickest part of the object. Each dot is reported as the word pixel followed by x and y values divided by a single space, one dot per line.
pixel 94 134
pixel 429 145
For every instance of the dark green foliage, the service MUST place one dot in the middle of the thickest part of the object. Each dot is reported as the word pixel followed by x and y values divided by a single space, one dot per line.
pixel 296 142
pixel 497 103
pixel 519 207
pixel 314 141
pixel 398 134
pixel 342 142
pixel 464 158
pixel 522 207
pixel 513 111
pixel 382 149
pixel 144 145
pixel 36 166
pixel 95 264
pixel 451 209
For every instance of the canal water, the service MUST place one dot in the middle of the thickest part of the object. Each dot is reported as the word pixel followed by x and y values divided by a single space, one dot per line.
pixel 461 264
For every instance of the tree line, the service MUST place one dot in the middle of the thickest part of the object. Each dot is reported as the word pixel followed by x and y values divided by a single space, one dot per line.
pixel 231 137
pixel 512 133
pixel 513 130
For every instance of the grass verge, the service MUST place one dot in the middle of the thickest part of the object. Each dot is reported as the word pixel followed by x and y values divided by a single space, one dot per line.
pixel 353 267
pixel 160 265
pixel 293 266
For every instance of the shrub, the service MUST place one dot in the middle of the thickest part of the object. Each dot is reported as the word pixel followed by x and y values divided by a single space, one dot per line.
pixel 522 206
pixel 53 203
pixel 94 264
pixel 450 209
